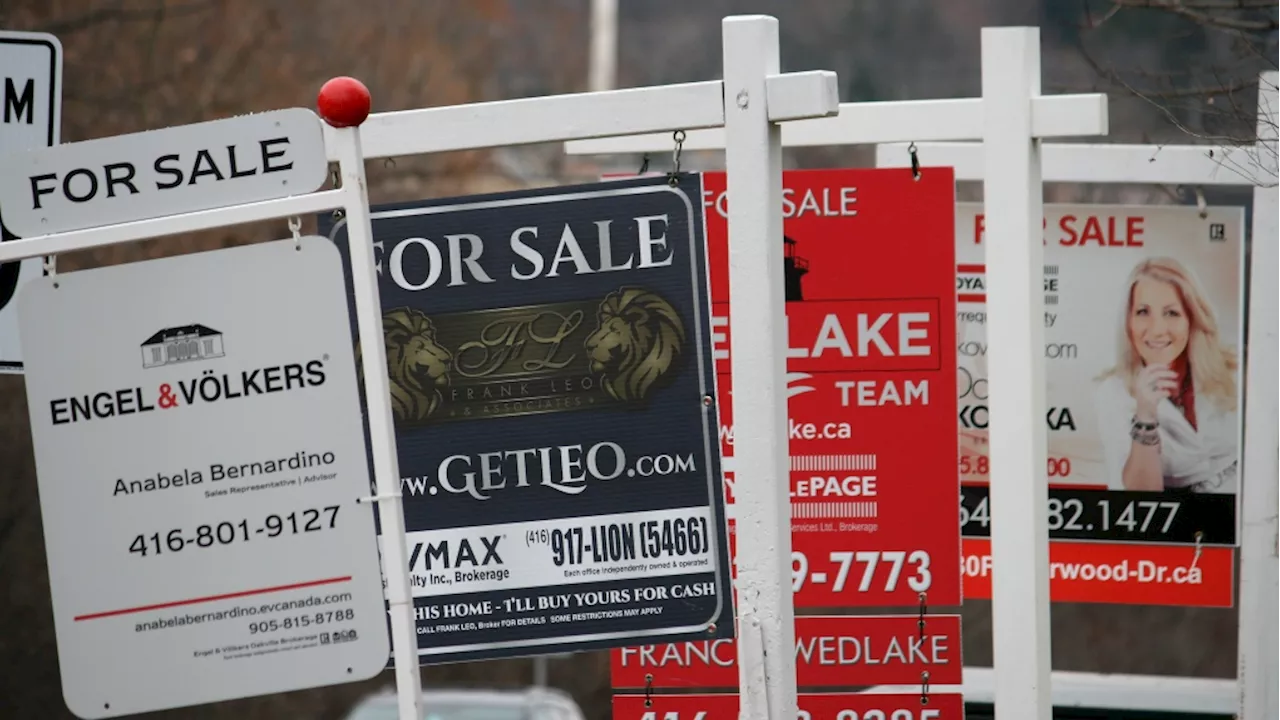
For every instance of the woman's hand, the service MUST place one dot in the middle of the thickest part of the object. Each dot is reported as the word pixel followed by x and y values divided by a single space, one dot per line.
pixel 1154 383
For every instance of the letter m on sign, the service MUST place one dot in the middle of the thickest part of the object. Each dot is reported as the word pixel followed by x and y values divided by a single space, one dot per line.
pixel 16 103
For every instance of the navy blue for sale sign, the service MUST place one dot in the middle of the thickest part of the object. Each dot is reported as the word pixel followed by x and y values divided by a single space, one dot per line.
pixel 553 390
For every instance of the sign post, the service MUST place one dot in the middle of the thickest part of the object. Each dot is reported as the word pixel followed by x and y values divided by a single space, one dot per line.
pixel 1011 71
pixel 276 513
pixel 30 117
pixel 532 120
pixel 1196 165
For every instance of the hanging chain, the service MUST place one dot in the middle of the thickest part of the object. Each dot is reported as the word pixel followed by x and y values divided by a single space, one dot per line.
pixel 644 165
pixel 673 176
pixel 915 161
pixel 648 690
pixel 924 607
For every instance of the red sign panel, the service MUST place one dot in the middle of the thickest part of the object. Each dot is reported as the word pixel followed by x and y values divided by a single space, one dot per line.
pixel 871 314
pixel 830 652
pixel 824 706
pixel 1120 573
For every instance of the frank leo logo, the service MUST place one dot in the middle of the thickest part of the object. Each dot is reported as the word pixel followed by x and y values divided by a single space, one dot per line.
pixel 186 343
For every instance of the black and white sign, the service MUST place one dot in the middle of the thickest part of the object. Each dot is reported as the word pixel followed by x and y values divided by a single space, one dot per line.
pixel 199 451
pixel 30 117
pixel 552 384
pixel 170 171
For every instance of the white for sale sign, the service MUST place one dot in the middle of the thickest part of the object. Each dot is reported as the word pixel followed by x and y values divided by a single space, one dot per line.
pixel 200 453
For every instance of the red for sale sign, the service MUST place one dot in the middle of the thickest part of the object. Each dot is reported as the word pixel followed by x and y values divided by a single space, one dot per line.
pixel 831 652
pixel 869 261
pixel 817 706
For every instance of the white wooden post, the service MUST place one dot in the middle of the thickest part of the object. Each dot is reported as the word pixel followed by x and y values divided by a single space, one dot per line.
pixel 1015 334
pixel 1012 110
pixel 602 68
pixel 1258 666
pixel 1255 692
pixel 386 464
pixel 753 159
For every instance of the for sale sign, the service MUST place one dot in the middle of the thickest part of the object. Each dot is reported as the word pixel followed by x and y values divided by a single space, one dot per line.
pixel 869 263
pixel 555 404
pixel 831 652
pixel 200 478
pixel 1144 338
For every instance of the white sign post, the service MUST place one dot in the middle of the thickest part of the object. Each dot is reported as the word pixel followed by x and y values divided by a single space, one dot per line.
pixel 351 197
pixel 30 117
pixel 1197 165
pixel 1013 116
pixel 754 98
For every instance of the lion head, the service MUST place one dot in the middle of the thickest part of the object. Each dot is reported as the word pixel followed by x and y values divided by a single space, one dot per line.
pixel 636 343
pixel 417 364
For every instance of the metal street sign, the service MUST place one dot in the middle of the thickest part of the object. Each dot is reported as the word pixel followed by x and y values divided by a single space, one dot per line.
pixel 549 353
pixel 199 453
pixel 170 171
pixel 30 117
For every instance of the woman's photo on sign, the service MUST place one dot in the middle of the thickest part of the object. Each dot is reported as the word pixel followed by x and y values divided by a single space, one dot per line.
pixel 1167 409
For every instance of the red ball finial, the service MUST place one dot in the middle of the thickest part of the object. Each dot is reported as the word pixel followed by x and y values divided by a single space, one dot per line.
pixel 343 102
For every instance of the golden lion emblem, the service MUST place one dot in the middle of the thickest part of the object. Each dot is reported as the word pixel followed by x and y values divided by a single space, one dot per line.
pixel 417 364
pixel 636 343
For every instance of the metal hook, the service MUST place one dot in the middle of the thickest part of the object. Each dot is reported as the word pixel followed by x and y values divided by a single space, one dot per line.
pixel 1200 203
pixel 648 690
pixel 672 178
pixel 1196 558
pixel 295 226
pixel 923 608
pixel 389 162
pixel 915 161
pixel 335 174
pixel 924 687
pixel 51 268
pixel 644 165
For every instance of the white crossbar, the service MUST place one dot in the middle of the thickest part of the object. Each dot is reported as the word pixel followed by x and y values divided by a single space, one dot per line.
pixel 1063 162
pixel 102 236
pixel 556 118
pixel 881 122
pixel 1098 691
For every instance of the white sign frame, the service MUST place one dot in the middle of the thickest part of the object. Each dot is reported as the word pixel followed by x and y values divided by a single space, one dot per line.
pixel 1012 116
pixel 762 98
pixel 10 346
pixel 1201 165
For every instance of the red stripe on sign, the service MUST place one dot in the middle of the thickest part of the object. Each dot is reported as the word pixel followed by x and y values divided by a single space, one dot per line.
pixel 971 297
pixel 971 268
pixel 1119 573
pixel 213 598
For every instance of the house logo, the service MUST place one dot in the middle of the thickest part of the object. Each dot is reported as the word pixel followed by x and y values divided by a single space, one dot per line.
pixel 181 344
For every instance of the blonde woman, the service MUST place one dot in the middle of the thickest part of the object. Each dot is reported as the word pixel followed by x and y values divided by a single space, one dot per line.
pixel 1167 410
